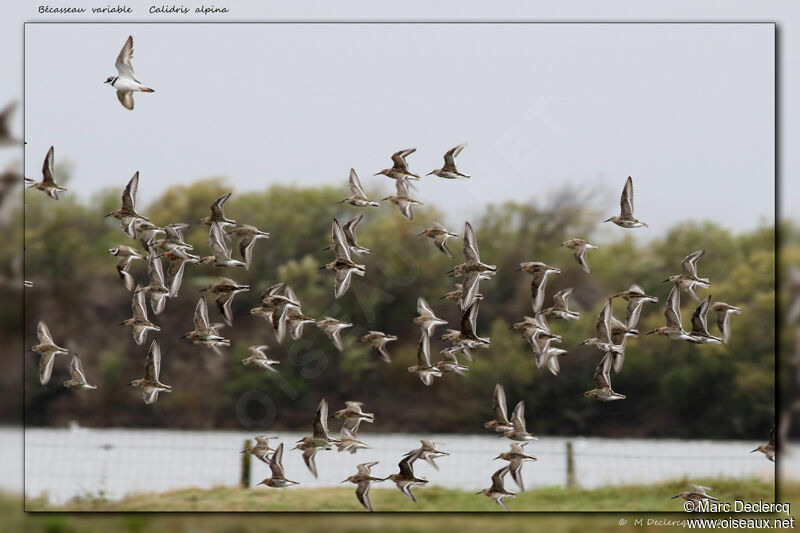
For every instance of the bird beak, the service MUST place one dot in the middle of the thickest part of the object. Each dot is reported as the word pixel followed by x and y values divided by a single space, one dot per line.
pixel 754 450
pixel 650 332
pixel 676 496
pixel 345 481
pixel 431 172
pixel 420 233
pixel 607 220
pixel 517 270
pixel 384 199
pixel 377 174
pixel 498 457
pixel 664 281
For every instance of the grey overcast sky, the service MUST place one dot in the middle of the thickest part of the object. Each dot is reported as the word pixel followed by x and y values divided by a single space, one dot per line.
pixel 687 110
pixel 672 105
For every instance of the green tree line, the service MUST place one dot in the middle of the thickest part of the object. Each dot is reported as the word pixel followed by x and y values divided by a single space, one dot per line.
pixel 674 389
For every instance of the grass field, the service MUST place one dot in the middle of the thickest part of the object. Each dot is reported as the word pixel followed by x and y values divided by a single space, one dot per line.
pixel 618 498
pixel 15 521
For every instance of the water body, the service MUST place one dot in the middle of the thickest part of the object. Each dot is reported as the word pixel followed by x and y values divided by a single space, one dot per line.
pixel 67 463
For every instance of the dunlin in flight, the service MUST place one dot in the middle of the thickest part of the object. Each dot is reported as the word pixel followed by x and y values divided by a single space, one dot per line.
pixel 500 423
pixel 225 289
pixel 405 479
pixel 217 213
pixel 260 450
pixel 48 350
pixel 439 234
pixel 320 437
pixel 145 231
pixel 619 337
pixel 6 136
pixel 625 219
pixel 402 199
pixel 636 298
pixel 426 319
pixel 156 289
pixel 427 452
pixel 449 170
pixel 378 340
pixel 472 269
pixel 348 441
pixel 696 494
pixel 540 273
pixel 342 265
pixel 516 456
pixel 77 379
pixel 602 382
pixel 332 329
pixel 151 384
pixel 352 415
pixel 177 265
pixel 449 362
pixel 424 369
pixel 672 313
pixel 724 312
pixel 349 228
pixel 769 448
pixel 456 294
pixel 278 479
pixel 468 333
pixel 688 279
pixel 309 456
pixel 699 333
pixel 518 431
pixel 127 214
pixel 293 320
pixel 603 340
pixel 249 235
pixel 399 170
pixel 579 248
pixel 139 323
pixel 497 491
pixel 560 308
pixel 357 196
pixel 363 479
pixel 221 257
pixel 259 359
pixel 173 240
pixel 48 183
pixel 204 333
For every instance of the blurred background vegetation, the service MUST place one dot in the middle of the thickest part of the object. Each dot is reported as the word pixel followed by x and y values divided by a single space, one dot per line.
pixel 674 389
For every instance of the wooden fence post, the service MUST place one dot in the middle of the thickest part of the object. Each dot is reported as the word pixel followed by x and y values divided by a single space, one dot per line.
pixel 570 466
pixel 244 479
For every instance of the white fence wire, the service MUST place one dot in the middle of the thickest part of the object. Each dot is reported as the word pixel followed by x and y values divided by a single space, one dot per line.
pixel 63 464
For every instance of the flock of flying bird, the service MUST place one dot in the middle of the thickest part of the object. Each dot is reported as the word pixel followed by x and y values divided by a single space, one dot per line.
pixel 282 310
